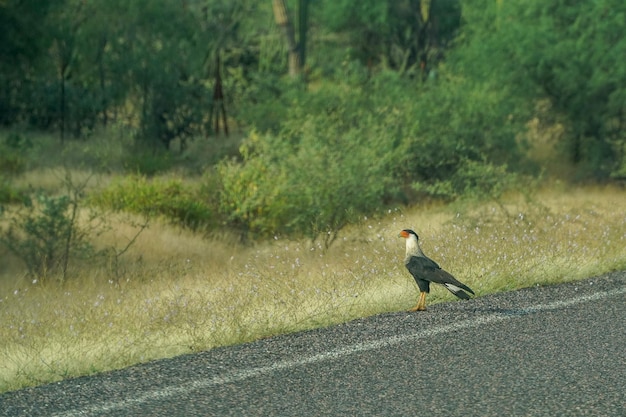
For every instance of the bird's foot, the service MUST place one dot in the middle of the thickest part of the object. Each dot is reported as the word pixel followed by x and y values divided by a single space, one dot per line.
pixel 417 308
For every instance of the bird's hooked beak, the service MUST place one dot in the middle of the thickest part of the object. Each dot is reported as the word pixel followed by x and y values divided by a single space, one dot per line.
pixel 403 234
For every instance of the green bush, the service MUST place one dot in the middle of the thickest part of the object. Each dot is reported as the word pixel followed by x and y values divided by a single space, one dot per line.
pixel 479 180
pixel 344 151
pixel 332 161
pixel 45 234
pixel 264 102
pixel 457 121
pixel 10 195
pixel 12 150
pixel 149 163
pixel 176 201
pixel 12 163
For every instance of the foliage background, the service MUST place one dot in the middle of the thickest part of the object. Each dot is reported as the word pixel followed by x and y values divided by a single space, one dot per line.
pixel 399 102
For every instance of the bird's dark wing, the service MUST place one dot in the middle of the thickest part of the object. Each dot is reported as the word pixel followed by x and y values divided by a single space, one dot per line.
pixel 421 267
pixel 425 269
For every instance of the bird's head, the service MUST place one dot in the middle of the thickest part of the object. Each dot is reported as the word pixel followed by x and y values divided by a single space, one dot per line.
pixel 412 242
pixel 407 233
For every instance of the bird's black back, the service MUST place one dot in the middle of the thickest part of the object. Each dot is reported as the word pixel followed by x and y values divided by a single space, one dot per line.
pixel 425 271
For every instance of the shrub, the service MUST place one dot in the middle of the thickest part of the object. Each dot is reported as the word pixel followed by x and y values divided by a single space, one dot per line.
pixel 333 160
pixel 11 154
pixel 479 180
pixel 345 151
pixel 461 121
pixel 45 234
pixel 172 199
pixel 142 162
pixel 11 195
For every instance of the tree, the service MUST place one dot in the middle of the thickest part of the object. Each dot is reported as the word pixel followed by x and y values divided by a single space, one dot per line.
pixel 296 49
pixel 578 62
pixel 64 35
pixel 24 38
pixel 571 53
pixel 408 36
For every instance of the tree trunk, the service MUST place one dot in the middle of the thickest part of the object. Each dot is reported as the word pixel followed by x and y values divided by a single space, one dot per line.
pixel 62 104
pixel 282 20
pixel 303 25
pixel 102 74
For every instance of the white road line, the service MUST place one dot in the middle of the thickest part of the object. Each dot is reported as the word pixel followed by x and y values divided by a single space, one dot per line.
pixel 239 375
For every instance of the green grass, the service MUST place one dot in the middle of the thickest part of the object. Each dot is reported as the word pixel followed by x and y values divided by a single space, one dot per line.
pixel 176 292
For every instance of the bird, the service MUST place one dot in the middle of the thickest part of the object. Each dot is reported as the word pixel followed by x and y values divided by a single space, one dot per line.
pixel 425 271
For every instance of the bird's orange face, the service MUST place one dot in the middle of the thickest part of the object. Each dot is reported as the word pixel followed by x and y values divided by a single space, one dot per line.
pixel 404 234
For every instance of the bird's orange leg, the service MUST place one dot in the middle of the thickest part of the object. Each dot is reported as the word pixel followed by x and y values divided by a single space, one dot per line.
pixel 421 303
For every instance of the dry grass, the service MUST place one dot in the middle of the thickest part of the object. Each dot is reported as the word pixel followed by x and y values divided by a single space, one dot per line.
pixel 178 292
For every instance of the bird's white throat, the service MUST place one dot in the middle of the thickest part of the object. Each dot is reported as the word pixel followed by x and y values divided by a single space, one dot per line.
pixel 413 247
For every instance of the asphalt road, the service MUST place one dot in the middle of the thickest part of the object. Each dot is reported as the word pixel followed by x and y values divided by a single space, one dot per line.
pixel 549 351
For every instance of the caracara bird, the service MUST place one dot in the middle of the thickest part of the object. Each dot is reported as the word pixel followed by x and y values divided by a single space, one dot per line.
pixel 425 271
